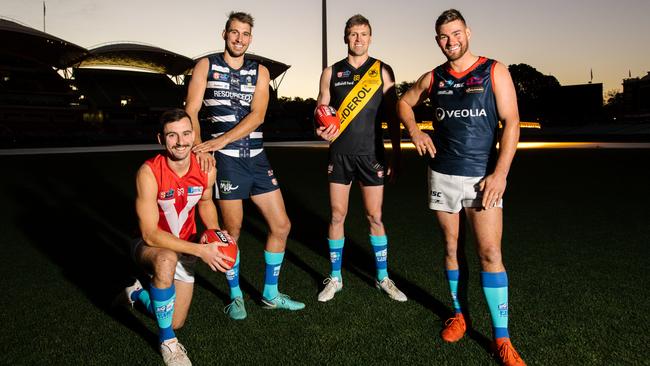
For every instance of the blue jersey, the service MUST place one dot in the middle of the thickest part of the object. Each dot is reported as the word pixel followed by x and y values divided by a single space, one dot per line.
pixel 465 130
pixel 227 100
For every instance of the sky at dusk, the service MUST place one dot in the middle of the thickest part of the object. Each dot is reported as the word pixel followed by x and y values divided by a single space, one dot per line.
pixel 566 39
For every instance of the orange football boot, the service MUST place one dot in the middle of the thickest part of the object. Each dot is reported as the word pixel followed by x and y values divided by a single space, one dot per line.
pixel 507 354
pixel 454 328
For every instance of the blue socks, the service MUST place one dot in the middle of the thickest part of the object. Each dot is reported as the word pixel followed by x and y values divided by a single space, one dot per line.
pixel 495 288
pixel 232 276
pixel 380 247
pixel 452 278
pixel 336 256
pixel 142 295
pixel 163 304
pixel 273 264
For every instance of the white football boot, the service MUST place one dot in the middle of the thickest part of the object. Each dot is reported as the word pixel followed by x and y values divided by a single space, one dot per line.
pixel 332 286
pixel 174 354
pixel 388 286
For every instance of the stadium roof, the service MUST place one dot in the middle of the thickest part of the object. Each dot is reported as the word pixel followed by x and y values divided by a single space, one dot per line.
pixel 276 68
pixel 139 56
pixel 23 41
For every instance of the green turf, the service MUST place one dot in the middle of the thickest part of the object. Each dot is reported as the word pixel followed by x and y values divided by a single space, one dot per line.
pixel 575 244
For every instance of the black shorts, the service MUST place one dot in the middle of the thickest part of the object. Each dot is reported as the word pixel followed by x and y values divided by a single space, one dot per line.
pixel 367 169
pixel 240 178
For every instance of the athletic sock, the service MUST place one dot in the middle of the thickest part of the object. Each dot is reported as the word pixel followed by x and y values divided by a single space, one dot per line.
pixel 380 247
pixel 142 296
pixel 452 278
pixel 273 265
pixel 163 304
pixel 232 276
pixel 495 288
pixel 336 256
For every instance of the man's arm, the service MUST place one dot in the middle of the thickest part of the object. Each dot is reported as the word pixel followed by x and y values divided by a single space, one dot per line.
pixel 390 109
pixel 206 206
pixel 195 92
pixel 413 97
pixel 331 131
pixel 146 207
pixel 193 103
pixel 494 185
pixel 255 118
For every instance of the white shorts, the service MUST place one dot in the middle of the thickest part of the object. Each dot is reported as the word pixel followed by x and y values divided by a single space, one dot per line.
pixel 184 266
pixel 451 193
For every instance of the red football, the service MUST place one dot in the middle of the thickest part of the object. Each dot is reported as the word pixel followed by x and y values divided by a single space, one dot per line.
pixel 211 236
pixel 326 115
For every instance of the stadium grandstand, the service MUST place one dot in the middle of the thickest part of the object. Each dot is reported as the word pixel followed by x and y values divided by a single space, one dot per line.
pixel 56 93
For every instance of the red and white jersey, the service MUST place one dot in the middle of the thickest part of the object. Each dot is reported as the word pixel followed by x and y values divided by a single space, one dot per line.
pixel 177 196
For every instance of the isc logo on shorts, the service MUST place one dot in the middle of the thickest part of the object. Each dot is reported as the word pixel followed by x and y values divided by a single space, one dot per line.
pixel 436 194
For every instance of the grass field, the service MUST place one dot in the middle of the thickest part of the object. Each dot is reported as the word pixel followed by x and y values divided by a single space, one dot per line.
pixel 577 230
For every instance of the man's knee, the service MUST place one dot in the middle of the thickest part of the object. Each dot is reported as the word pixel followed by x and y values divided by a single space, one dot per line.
pixel 338 216
pixel 164 266
pixel 490 254
pixel 374 219
pixel 281 227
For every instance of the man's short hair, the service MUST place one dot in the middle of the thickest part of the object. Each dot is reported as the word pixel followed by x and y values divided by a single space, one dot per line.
pixel 356 19
pixel 449 16
pixel 172 115
pixel 239 16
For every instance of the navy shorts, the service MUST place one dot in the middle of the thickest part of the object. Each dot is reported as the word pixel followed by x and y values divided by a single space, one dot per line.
pixel 240 178
pixel 365 168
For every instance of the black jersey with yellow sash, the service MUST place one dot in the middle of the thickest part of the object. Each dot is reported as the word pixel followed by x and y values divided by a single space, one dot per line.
pixel 465 129
pixel 357 93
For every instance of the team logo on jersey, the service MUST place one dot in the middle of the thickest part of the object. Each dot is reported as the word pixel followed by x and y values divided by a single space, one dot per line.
pixel 167 195
pixel 226 187
pixel 249 80
pixel 474 80
pixel 194 191
pixel 343 74
pixel 459 113
pixel 474 90
pixel 235 81
pixel 356 77
pixel 180 191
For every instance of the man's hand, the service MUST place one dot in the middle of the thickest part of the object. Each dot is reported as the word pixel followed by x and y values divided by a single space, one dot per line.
pixel 215 144
pixel 423 143
pixel 492 187
pixel 211 255
pixel 394 167
pixel 206 161
pixel 327 133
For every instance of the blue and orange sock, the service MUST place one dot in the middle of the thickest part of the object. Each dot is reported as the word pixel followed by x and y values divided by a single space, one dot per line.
pixel 232 276
pixel 495 288
pixel 336 256
pixel 273 265
pixel 452 278
pixel 380 247
pixel 163 304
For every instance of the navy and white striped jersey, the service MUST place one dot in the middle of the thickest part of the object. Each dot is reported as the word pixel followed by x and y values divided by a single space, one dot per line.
pixel 227 100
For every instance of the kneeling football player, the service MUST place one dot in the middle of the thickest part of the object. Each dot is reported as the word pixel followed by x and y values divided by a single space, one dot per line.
pixel 169 187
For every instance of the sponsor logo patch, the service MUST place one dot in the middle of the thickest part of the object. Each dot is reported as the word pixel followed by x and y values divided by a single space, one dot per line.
pixel 167 195
pixel 194 191
pixel 225 186
pixel 220 76
pixel 343 74
pixel 459 113
pixel 445 92
pixel 474 90
pixel 503 309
